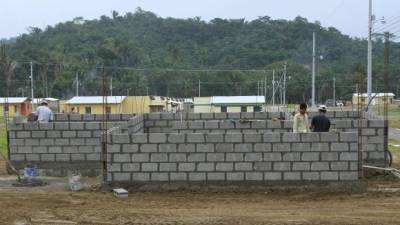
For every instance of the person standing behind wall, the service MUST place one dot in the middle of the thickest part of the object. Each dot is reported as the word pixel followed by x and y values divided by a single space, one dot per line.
pixel 43 113
pixel 300 120
pixel 320 123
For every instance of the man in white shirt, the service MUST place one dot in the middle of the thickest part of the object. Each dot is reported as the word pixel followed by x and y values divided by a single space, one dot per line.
pixel 43 113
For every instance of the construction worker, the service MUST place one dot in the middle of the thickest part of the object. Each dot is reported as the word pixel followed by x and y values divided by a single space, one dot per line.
pixel 300 120
pixel 320 123
pixel 43 113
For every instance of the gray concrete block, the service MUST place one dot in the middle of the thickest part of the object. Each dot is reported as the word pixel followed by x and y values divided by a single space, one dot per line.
pixel 177 157
pixel 23 134
pixel 233 115
pixel 273 176
pixel 216 176
pixel 121 138
pixel 376 155
pixel 122 177
pixel 291 156
pixel 272 157
pixel 157 138
pixel 32 142
pixel 55 149
pixel 376 140
pixel 253 157
pixel 376 123
pixel 186 167
pixel 159 177
pixel 113 167
pixel 260 147
pixel 220 116
pixel 81 134
pixel 274 124
pixel 88 117
pixel 310 156
pixel 78 141
pixel 30 126
pixel 149 167
pixel 207 116
pixel 148 148
pixel 205 148
pixel 91 126
pixel 310 137
pixel 340 147
pixel 197 177
pixel 329 176
pixel 195 125
pixel 281 166
pixel 234 157
pixel 38 134
pixel 154 116
pixel 224 148
pixel 261 124
pixel 140 177
pixel 167 148
pixel 243 148
pixel 85 149
pixel 77 126
pixel 329 137
pixel 301 147
pixel 235 176
pixel 167 116
pixel 113 148
pixel 130 148
pixel 252 138
pixel 193 116
pixel 92 141
pixel 215 157
pixel 27 149
pixel 63 157
pixel 242 125
pixel 186 147
pixel 39 149
pixel 320 147
pixel 196 157
pixel 178 176
pixel 70 149
pixel 140 157
pixel 329 156
pixel 159 157
pixel 226 125
pixel 348 137
pixel 139 138
pixel 240 166
pixel 211 125
pixel 19 157
pixel 78 157
pixel 47 157
pixel 311 176
pixel 234 138
pixel 17 142
pixel 214 138
pixel 340 124
pixel 290 137
pixel 320 166
pixel 281 147
pixel 339 166
pixel 122 157
pixel 254 176
pixel 32 157
pixel 205 167
pixel 291 176
pixel 195 138
pixel 69 134
pixel 301 166
pixel 262 166
pixel 61 126
pixel 176 138
pixel 348 176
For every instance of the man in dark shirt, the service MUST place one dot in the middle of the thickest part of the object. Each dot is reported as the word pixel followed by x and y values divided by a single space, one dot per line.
pixel 320 123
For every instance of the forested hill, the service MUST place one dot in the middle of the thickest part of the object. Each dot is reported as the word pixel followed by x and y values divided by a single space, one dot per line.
pixel 144 53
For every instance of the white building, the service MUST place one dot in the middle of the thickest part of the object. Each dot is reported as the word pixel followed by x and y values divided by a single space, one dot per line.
pixel 229 104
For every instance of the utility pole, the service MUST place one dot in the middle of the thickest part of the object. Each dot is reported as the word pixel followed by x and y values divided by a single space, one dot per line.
pixel 111 87
pixel 77 84
pixel 199 88
pixel 258 88
pixel 369 69
pixel 334 91
pixel 313 74
pixel 33 101
pixel 273 87
pixel 284 83
pixel 265 93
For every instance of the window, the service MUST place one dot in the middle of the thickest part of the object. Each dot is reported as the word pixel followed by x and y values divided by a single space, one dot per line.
pixel 257 108
pixel 108 110
pixel 243 109
pixel 88 110
pixel 223 109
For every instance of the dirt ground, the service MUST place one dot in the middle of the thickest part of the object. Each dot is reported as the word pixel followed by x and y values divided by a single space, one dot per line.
pixel 54 204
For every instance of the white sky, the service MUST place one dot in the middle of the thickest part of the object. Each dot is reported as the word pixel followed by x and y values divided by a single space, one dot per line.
pixel 349 16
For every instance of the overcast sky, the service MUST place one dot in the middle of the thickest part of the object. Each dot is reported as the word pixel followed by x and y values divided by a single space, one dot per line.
pixel 349 16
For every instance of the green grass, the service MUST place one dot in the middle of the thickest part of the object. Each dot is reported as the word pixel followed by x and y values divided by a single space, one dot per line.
pixel 3 139
pixel 393 115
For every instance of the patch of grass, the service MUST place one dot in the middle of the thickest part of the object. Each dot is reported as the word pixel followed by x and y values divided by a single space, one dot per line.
pixel 3 139
pixel 395 150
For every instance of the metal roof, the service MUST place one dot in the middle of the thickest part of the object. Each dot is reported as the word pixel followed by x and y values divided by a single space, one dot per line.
pixel 13 100
pixel 38 100
pixel 237 99
pixel 375 94
pixel 95 100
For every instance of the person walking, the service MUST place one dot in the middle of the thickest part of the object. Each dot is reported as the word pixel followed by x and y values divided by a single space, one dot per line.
pixel 320 123
pixel 300 120
pixel 43 113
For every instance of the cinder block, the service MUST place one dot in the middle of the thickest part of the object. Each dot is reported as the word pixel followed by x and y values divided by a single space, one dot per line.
pixel 140 177
pixel 340 147
pixel 30 126
pixel 220 116
pixel 39 149
pixel 27 149
pixel 195 138
pixel 17 142
pixel 121 138
pixel 341 166
pixel 140 157
pixel 19 157
pixel 227 125
pixel 348 176
pixel 186 147
pixel 32 157
pixel 254 176
pixel 253 157
pixel 159 177
pixel 207 116
pixel 301 166
pixel 186 167
pixel 149 167
pixel 376 140
pixel 122 157
pixel 55 149
pixel 243 166
pixel 167 116
pixel 154 116
pixel 78 157
pixel 47 157
pixel 233 138
pixel 301 147
pixel 176 138
pixel 130 148
pixel 205 167
pixel 320 166
pixel 215 157
pixel 177 157
pixel 167 148
pixel 329 176
pixel 38 134
pixel 272 157
pixel 243 148
pixel 281 147
pixel 193 116
pixel 329 137
pixel 291 176
pixel 288 124
pixel 121 176
pixel 262 147
pixel 139 138
pixel 290 137
pixel 310 137
pixel 340 124
pixel 70 149
pixel 262 166
pixel 88 117
pixel 242 125
pixel 234 157
pixel 311 176
pixel 214 138
pixel 273 176
pixel 197 176
pixel 235 176
pixel 216 176
pixel 53 134
pixel 291 156
pixel 376 155
pixel 91 126
pixel 61 117
pixel 205 148
pixel 348 137
pixel 252 138
pixel 319 147
pixel 274 124
pixel 85 149
pixel 224 148
pixel 195 125
pixel 78 141
pixel 32 142
pixel 23 134
pixel 281 166
pixel 159 157
pixel 69 134
pixel 62 157
pixel 76 126
pixel 61 126
pixel 113 167
pixel 178 176
pixel 211 125
pixel 92 141
pixel 113 148
pixel 376 123
pixel 310 156
pixel 196 157
pixel 148 148
pixel 329 156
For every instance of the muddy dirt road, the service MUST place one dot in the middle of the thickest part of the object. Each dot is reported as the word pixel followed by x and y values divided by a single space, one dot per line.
pixel 192 208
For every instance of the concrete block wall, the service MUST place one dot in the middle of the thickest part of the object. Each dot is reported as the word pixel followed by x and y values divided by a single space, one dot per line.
pixel 232 157
pixel 136 124
pixel 70 117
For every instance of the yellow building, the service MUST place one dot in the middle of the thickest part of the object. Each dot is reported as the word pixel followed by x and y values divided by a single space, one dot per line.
pixel 118 104
pixel 15 106
pixel 229 104
pixel 377 98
